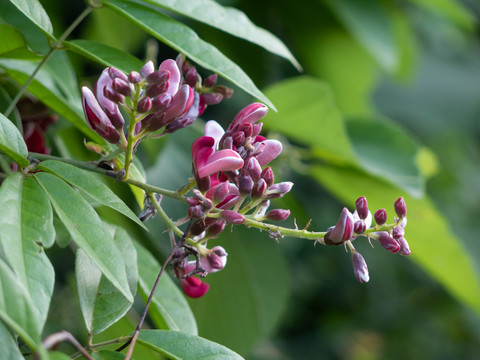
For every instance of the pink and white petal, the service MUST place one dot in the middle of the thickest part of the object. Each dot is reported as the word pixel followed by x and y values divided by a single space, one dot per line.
pixel 271 150
pixel 215 130
pixel 175 76
pixel 181 102
pixel 202 142
pixel 250 114
pixel 223 160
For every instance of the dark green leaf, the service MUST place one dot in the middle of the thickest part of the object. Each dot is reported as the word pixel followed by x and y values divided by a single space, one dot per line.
pixel 181 346
pixel 11 142
pixel 137 172
pixel 56 355
pixel 108 355
pixel 86 229
pixel 12 39
pixel 433 245
pixel 9 345
pixel 185 40
pixel 169 309
pixel 33 10
pixel 89 183
pixel 37 215
pixel 230 20
pixel 102 304
pixel 105 54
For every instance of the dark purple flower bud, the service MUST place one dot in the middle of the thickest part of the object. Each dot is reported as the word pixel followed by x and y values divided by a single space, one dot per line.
pixel 198 227
pixel 398 232
pixel 114 73
pixel 227 143
pixel 277 214
pixel 245 184
pixel 238 138
pixel 112 95
pixel 387 241
pixel 342 231
pixel 121 86
pixel 161 101
pixel 134 77
pixel 225 91
pixel 156 89
pixel 155 121
pixel 203 184
pixel 360 268
pixel 259 189
pixel 254 169
pixel 191 77
pixel 147 69
pixel 362 207
pixel 210 81
pixel 268 176
pixel 400 207
pixel 380 217
pixel 158 77
pixel 215 229
pixel 212 98
pixel 196 212
pixel 232 217
pixel 278 190
pixel 144 105
pixel 192 201
pixel 359 227
pixel 404 248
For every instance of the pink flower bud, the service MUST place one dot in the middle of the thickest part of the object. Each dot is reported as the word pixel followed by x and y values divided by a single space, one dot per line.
pixel 196 212
pixel 271 150
pixel 221 192
pixel 398 232
pixel 277 214
pixel 341 232
pixel 210 81
pixel 245 184
pixel 191 77
pixel 215 260
pixel 387 241
pixel 400 207
pixel 380 217
pixel 113 96
pixel 249 115
pixel 232 217
pixel 212 98
pixel 254 169
pixel 158 77
pixel 147 69
pixel 121 86
pixel 156 89
pixel 259 189
pixel 267 175
pixel 181 102
pixel 194 287
pixel 114 73
pixel 238 138
pixel 359 227
pixel 404 248
pixel 278 190
pixel 362 207
pixel 108 106
pixel 215 229
pixel 134 77
pixel 161 101
pixel 144 105
pixel 360 268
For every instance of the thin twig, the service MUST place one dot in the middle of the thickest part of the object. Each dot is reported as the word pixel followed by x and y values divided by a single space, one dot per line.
pixel 53 340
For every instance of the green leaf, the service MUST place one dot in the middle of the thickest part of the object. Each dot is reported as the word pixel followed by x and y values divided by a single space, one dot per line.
pixel 181 346
pixel 449 9
pixel 385 150
pixel 12 143
pixel 371 25
pixel 307 113
pixel 89 183
pixel 47 91
pixel 230 20
pixel 33 10
pixel 183 39
pixel 87 230
pixel 105 54
pixel 137 172
pixel 108 355
pixel 37 215
pixel 56 355
pixel 169 309
pixel 433 245
pixel 19 249
pixel 9 345
pixel 101 303
pixel 12 39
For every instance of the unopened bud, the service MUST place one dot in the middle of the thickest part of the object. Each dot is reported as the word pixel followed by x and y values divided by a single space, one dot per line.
pixel 380 217
pixel 156 89
pixel 398 232
pixel 210 81
pixel 114 73
pixel 238 138
pixel 254 169
pixel 192 201
pixel 232 217
pixel 278 190
pixel 277 214
pixel 400 207
pixel 161 101
pixel 144 105
pixel 259 189
pixel 215 260
pixel 268 176
pixel 196 212
pixel 387 241
pixel 158 76
pixel 360 268
pixel 147 69
pixel 113 95
pixel 215 229
pixel 362 207
pixel 221 192
pixel 212 98
pixel 121 86
pixel 359 227
pixel 191 77
pixel 342 231
pixel 404 248
pixel 134 77
pixel 247 129
pixel 225 91
pixel 245 184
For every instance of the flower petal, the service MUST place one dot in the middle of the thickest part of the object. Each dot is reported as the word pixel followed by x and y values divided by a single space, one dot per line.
pixel 223 160
pixel 271 150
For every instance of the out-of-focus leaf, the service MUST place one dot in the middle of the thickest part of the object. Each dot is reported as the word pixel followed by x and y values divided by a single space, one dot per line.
pixel 47 91
pixel 169 309
pixel 102 304
pixel 230 20
pixel 370 24
pixel 105 54
pixel 137 172
pixel 56 355
pixel 185 40
pixel 33 10
pixel 450 9
pixel 89 183
pixel 181 346
pixel 385 150
pixel 251 292
pixel 433 245
pixel 18 248
pixel 86 229
pixel 37 215
pixel 308 114
pixel 12 39
pixel 108 355
pixel 9 345
pixel 12 143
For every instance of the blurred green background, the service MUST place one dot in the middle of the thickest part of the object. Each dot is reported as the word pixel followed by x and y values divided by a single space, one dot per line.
pixel 414 65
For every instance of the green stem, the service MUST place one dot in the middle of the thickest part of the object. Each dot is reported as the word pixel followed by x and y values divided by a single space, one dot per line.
pixel 166 219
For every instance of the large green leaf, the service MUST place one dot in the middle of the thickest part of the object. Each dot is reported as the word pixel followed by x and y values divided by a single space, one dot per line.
pixel 18 246
pixel 102 304
pixel 230 20
pixel 33 10
pixel 9 345
pixel 169 309
pixel 105 54
pixel 433 245
pixel 181 346
pixel 12 39
pixel 185 40
pixel 108 355
pixel 86 229
pixel 90 184
pixel 46 90
pixel 12 143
